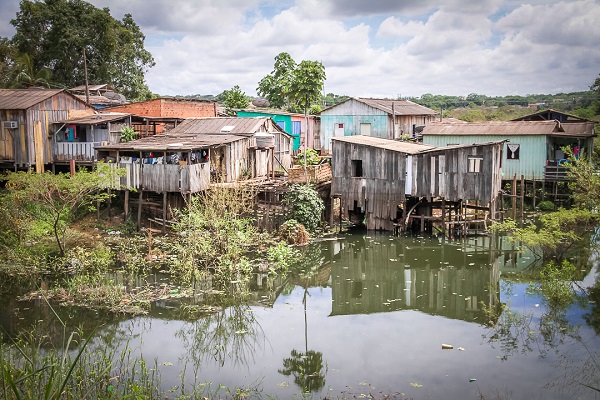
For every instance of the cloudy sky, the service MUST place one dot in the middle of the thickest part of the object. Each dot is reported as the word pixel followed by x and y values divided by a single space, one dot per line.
pixel 370 48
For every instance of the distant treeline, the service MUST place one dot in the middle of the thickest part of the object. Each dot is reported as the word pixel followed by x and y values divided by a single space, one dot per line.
pixel 575 101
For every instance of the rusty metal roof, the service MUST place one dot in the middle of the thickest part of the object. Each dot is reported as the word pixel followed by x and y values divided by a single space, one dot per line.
pixel 95 119
pixel 170 142
pixel 220 125
pixel 401 107
pixel 579 128
pixel 22 99
pixel 387 144
pixel 495 128
pixel 550 114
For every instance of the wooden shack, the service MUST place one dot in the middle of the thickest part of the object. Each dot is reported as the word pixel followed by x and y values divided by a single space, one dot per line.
pixel 533 149
pixel 387 119
pixel 257 130
pixel 383 180
pixel 27 117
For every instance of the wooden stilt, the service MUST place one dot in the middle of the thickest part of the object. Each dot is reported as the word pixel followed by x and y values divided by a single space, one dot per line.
pixel 126 203
pixel 522 197
pixel 514 198
pixel 444 216
pixel 164 212
pixel 139 216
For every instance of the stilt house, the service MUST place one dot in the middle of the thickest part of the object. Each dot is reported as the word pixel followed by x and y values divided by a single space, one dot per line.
pixel 379 179
pixel 27 117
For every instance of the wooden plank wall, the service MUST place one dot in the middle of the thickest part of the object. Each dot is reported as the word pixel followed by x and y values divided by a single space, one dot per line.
pixel 380 189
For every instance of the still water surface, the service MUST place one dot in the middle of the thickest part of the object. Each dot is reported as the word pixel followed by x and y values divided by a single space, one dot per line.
pixel 369 313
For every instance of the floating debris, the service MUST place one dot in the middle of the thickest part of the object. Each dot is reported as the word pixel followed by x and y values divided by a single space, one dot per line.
pixel 447 346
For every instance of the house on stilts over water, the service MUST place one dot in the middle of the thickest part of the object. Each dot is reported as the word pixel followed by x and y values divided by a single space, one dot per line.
pixel 389 184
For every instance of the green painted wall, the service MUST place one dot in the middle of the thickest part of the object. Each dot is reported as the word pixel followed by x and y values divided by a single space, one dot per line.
pixel 285 119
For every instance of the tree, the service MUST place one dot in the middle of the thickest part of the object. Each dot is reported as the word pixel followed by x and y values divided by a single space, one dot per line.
pixel 55 198
pixel 596 89
pixel 235 98
pixel 293 86
pixel 8 54
pixel 55 33
pixel 25 77
pixel 307 83
pixel 275 87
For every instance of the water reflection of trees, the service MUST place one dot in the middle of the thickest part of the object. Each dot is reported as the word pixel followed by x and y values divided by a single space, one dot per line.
pixel 232 334
pixel 307 367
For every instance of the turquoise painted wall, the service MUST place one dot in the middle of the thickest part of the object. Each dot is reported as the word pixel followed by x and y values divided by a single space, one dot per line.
pixel 533 152
pixel 379 126
pixel 279 119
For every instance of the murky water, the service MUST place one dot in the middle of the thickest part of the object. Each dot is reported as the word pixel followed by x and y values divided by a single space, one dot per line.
pixel 368 314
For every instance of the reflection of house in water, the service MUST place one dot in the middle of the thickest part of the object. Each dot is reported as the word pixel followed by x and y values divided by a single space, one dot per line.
pixel 449 279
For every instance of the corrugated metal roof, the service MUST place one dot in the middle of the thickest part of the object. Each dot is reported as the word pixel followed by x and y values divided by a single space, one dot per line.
pixel 578 128
pixel 272 111
pixel 103 86
pixel 495 128
pixel 169 142
pixel 22 99
pixel 388 144
pixel 549 115
pixel 95 119
pixel 215 125
pixel 401 107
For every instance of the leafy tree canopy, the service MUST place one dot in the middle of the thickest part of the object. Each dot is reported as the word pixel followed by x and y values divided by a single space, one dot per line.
pixel 55 33
pixel 235 98
pixel 292 86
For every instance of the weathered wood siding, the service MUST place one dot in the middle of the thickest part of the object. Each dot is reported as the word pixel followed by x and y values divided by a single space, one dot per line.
pixel 162 178
pixel 445 174
pixel 380 188
pixel 31 144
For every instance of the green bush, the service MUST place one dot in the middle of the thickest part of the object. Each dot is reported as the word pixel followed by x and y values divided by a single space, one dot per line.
pixel 304 205
pixel 546 205
pixel 312 157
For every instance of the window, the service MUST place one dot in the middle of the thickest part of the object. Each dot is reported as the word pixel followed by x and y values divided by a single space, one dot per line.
pixel 474 163
pixel 513 151
pixel 357 170
pixel 296 127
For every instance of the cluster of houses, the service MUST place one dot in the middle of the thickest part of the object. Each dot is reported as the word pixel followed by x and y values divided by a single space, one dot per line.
pixel 391 159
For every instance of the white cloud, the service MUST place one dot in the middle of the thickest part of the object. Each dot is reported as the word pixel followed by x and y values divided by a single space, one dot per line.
pixel 376 48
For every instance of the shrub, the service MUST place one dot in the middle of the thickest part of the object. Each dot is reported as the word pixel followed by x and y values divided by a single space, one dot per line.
pixel 546 206
pixel 293 232
pixel 312 157
pixel 304 205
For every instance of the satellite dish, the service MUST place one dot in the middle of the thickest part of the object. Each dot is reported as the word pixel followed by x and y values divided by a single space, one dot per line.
pixel 260 103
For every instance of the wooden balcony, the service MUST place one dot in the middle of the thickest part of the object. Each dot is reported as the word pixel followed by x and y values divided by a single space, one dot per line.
pixel 555 173
pixel 78 151
pixel 161 178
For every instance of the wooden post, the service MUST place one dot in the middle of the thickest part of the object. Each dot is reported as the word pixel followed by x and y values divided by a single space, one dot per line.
pixel 533 199
pixel 139 216
pixel 514 197
pixel 444 216
pixel 522 196
pixel 72 167
pixel 126 201
pixel 164 212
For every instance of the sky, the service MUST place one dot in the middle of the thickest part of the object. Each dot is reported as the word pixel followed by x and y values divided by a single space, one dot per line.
pixel 370 48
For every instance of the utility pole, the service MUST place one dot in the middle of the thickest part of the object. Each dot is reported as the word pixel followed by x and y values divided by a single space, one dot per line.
pixel 87 91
